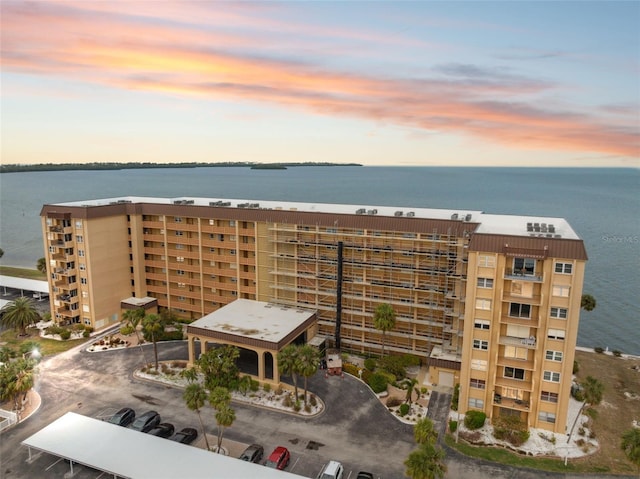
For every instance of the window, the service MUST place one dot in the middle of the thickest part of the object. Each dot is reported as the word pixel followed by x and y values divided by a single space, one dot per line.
pixel 553 355
pixel 85 308
pixel 181 298
pixel 548 397
pixel 85 294
pixel 560 313
pixel 551 376
pixel 555 334
pixel 212 222
pixel 562 291
pixel 479 364
pixel 524 266
pixel 477 383
pixel 547 417
pixel 179 233
pixel 515 353
pixel 484 304
pixel 485 283
pixel 487 261
pixel 564 268
pixel 232 252
pixel 232 223
pixel 177 219
pixel 476 403
pixel 518 310
pixel 179 246
pixel 79 239
pixel 81 252
pixel 83 280
pixel 514 373
pixel 180 272
pixel 180 259
pixel 52 249
pixel 87 321
pixel 182 285
pixel 481 324
pixel 479 344
pixel 79 224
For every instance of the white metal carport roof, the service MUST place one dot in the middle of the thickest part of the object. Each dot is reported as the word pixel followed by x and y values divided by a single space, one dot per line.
pixel 132 454
pixel 23 284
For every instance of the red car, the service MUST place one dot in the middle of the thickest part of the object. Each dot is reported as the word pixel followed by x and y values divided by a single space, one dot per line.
pixel 279 458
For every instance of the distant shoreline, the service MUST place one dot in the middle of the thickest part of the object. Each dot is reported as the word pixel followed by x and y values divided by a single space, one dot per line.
pixel 141 166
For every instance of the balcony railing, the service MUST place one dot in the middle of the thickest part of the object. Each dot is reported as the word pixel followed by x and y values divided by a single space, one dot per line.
pixel 521 275
pixel 529 343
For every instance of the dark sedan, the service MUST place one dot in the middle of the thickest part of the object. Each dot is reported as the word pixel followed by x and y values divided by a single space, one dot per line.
pixel 146 421
pixel 162 430
pixel 123 417
pixel 253 453
pixel 185 436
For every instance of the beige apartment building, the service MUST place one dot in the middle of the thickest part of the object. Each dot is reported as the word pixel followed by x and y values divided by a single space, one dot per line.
pixel 490 301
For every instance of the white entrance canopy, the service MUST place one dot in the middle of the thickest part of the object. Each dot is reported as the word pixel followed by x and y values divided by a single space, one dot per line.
pixel 23 284
pixel 131 454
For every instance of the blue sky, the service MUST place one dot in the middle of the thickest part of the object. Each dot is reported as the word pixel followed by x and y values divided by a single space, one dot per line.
pixel 378 83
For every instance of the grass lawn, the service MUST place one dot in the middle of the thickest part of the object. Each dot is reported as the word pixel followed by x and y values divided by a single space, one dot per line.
pixel 48 347
pixel 613 417
pixel 22 273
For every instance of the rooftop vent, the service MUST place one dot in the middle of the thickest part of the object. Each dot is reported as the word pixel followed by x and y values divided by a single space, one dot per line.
pixel 243 205
pixel 124 201
pixel 454 216
pixel 254 205
pixel 411 214
pixel 372 212
pixel 361 211
pixel 468 217
pixel 398 213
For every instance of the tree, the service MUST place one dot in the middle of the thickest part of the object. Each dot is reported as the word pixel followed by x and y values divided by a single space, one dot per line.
pixel 41 265
pixel 16 378
pixel 309 359
pixel 426 462
pixel 424 432
pixel 1 252
pixel 411 384
pixel 219 368
pixel 631 445
pixel 384 319
pixel 289 363
pixel 19 314
pixel 592 391
pixel 220 399
pixel 133 318
pixel 153 325
pixel 588 302
pixel 195 396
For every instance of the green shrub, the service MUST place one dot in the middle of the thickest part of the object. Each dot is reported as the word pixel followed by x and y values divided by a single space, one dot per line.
pixel 511 429
pixel 126 330
pixel 255 385
pixel 350 369
pixel 617 353
pixel 366 375
pixel 307 408
pixel 393 365
pixel 456 396
pixel 474 419
pixel 312 400
pixel 393 402
pixel 453 425
pixel 297 406
pixel 54 330
pixel 86 333
pixel 65 334
pixel 598 350
pixel 266 387
pixel 576 367
pixel 370 364
pixel 378 382
pixel 404 409
pixel 287 401
pixel 423 390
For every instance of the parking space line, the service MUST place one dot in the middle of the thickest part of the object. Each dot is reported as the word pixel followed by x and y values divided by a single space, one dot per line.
pixel 294 464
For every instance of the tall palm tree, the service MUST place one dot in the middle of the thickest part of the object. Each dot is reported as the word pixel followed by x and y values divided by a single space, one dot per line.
pixel 289 364
pixel 588 302
pixel 424 432
pixel 19 314
pixel 384 319
pixel 219 397
pixel 195 396
pixel 411 384
pixel 631 445
pixel 133 318
pixel 224 419
pixel 41 265
pixel 309 359
pixel 592 390
pixel 426 462
pixel 153 325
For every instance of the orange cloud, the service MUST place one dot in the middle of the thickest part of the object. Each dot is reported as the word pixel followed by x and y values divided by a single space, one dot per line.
pixel 172 50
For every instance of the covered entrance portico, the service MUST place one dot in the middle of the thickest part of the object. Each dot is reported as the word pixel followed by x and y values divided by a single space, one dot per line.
pixel 264 328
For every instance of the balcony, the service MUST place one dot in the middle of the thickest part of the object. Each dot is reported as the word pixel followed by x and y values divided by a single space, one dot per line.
pixel 510 273
pixel 529 343
pixel 510 403
pixel 529 322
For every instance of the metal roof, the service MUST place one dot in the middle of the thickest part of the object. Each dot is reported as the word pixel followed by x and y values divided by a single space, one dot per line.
pixel 34 285
pixel 132 454
pixel 527 246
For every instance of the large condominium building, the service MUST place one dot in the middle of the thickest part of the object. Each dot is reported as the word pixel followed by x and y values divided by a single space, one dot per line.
pixel 490 301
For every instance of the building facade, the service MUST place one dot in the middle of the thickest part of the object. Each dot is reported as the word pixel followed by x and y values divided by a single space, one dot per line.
pixel 487 300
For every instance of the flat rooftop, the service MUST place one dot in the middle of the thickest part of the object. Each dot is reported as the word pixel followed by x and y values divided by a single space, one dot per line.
pixel 489 223
pixel 258 320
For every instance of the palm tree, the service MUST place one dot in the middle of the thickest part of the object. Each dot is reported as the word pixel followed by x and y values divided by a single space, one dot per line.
pixel 219 367
pixel 426 462
pixel 588 302
pixel 16 378
pixel 41 265
pixel 631 446
pixel 19 314
pixel 224 418
pixel 133 318
pixel 384 319
pixel 592 389
pixel 195 396
pixel 219 397
pixel 309 359
pixel 289 364
pixel 411 384
pixel 152 325
pixel 424 432
pixel 1 252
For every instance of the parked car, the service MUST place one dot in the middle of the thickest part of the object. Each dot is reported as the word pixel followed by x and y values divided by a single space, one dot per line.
pixel 123 417
pixel 185 436
pixel 364 475
pixel 279 458
pixel 253 453
pixel 333 470
pixel 162 430
pixel 146 422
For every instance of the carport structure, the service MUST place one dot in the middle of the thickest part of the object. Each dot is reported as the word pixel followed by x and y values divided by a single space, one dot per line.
pixel 264 328
pixel 126 453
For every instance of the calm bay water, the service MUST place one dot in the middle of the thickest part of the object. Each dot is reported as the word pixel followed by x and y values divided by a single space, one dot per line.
pixel 602 205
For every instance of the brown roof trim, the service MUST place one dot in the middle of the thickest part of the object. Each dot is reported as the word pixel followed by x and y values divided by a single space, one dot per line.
pixel 535 247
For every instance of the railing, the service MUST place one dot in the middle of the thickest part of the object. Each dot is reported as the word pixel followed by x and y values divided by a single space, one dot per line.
pixel 7 419
pixel 510 273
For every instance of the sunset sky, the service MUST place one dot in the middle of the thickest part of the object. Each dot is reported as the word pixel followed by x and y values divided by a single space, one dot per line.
pixel 379 83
